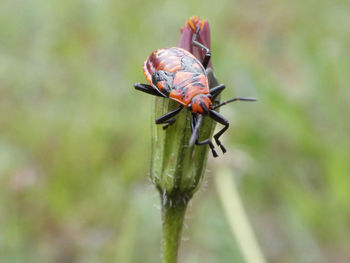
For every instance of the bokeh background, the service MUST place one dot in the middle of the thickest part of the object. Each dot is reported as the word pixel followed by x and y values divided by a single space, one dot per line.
pixel 75 135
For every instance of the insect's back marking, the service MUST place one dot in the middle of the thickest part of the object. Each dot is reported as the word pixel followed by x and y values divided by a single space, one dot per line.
pixel 169 60
pixel 176 73
pixel 189 87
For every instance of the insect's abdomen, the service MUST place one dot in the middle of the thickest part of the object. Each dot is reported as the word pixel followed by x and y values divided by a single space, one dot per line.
pixel 176 73
pixel 187 85
pixel 168 60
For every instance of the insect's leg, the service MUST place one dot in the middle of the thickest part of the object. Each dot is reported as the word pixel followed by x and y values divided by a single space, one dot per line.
pixel 220 119
pixel 214 92
pixel 207 141
pixel 168 117
pixel 194 128
pixel 147 89
pixel 207 51
pixel 168 123
pixel 211 145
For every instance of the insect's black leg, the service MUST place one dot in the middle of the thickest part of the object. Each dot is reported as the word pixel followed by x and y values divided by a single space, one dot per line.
pixel 214 92
pixel 194 127
pixel 207 141
pixel 220 119
pixel 148 89
pixel 207 51
pixel 211 145
pixel 168 117
pixel 168 123
pixel 193 122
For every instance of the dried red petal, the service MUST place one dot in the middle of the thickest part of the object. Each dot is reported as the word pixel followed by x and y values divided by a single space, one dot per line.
pixel 187 32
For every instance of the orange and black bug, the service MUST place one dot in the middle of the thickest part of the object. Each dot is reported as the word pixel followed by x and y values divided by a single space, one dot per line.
pixel 176 74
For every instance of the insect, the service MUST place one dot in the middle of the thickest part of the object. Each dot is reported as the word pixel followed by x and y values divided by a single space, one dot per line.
pixel 176 74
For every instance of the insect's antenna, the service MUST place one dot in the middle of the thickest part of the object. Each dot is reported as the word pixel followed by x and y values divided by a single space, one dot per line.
pixel 197 123
pixel 232 100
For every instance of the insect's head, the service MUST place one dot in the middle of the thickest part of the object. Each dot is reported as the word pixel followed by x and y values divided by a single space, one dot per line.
pixel 200 103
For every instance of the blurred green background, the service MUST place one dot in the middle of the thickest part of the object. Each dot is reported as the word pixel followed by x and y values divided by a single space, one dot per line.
pixel 75 135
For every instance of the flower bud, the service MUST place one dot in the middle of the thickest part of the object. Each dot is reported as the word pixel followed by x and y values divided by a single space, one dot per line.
pixel 177 169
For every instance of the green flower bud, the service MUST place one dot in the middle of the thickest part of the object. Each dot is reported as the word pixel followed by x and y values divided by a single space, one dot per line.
pixel 178 169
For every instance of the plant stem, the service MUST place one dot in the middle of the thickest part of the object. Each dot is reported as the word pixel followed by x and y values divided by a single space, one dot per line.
pixel 173 214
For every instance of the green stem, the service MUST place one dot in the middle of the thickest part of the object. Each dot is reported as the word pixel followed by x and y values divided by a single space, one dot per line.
pixel 173 214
